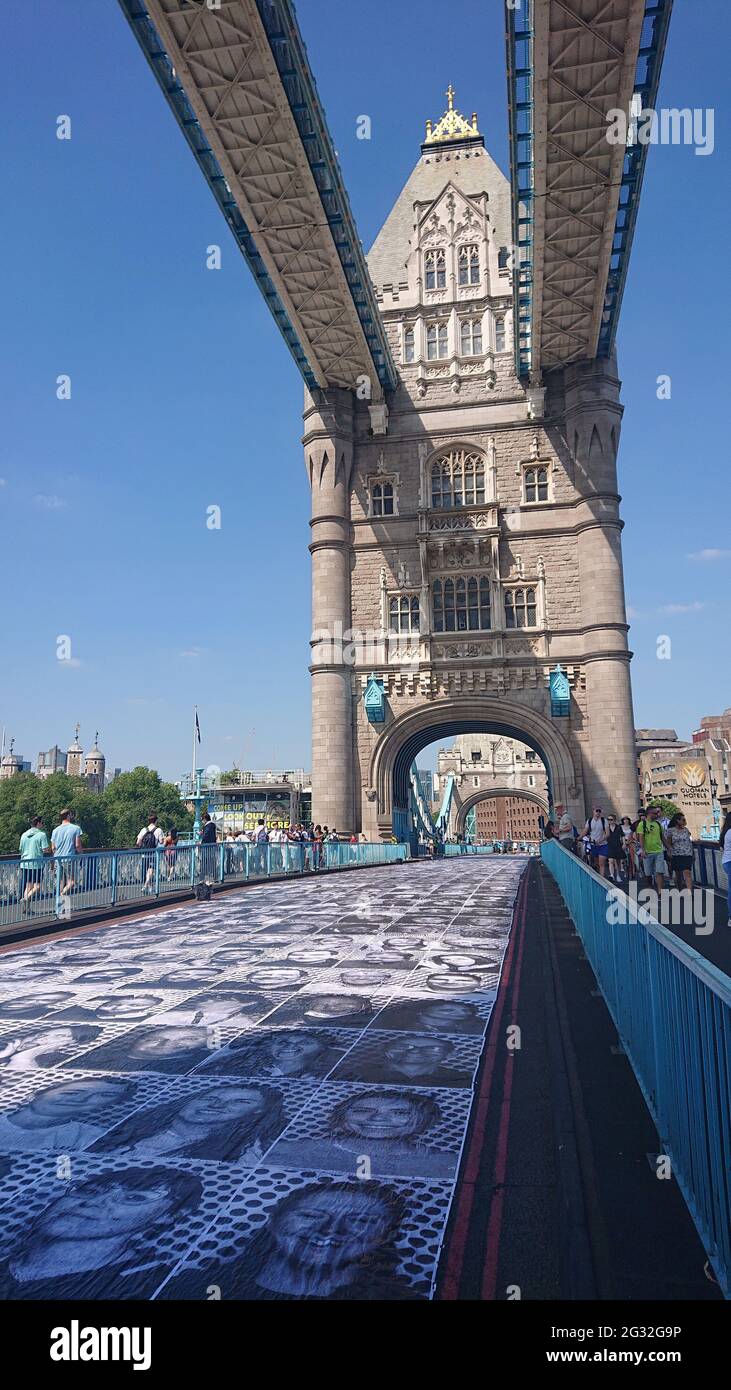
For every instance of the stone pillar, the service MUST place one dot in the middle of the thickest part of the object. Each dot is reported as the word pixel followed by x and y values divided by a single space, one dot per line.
pixel 593 418
pixel 328 443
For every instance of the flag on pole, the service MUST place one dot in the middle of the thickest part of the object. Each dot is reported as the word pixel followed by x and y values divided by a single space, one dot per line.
pixel 197 727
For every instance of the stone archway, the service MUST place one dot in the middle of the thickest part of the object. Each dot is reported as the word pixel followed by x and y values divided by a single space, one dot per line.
pixel 471 801
pixel 405 737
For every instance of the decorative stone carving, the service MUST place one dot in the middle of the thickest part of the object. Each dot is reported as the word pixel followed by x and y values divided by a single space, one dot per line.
pixel 433 232
pixel 464 521
pixel 459 650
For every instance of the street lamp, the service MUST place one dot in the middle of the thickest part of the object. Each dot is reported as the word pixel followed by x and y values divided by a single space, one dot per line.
pixel 197 798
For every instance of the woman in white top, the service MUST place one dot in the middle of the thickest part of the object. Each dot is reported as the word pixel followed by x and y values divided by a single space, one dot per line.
pixel 725 845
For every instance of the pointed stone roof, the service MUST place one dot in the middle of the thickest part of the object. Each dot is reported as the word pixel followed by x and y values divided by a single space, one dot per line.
pixel 75 747
pixel 460 160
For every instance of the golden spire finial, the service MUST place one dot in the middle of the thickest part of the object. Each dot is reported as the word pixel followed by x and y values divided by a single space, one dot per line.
pixel 452 126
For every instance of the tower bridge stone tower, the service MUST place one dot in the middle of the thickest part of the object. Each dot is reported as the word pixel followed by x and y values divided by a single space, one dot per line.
pixel 466 538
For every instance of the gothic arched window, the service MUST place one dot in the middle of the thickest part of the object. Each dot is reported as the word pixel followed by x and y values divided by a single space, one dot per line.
pixel 520 608
pixel 469 265
pixel 436 341
pixel 458 480
pixel 435 266
pixel 461 604
pixel 470 331
pixel 409 344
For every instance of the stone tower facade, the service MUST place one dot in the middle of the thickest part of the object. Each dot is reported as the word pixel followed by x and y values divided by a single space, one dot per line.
pixel 466 538
pixel 95 767
pixel 487 766
pixel 75 756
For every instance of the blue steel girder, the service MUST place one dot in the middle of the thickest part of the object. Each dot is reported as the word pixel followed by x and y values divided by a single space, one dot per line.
pixel 575 196
pixel 238 81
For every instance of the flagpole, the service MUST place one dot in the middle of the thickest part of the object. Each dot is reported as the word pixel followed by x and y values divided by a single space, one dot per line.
pixel 192 766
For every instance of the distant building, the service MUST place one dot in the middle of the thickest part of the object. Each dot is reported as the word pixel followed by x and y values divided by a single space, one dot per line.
pixel 279 799
pixel 52 761
pixel 426 777
pixel 75 757
pixel 487 762
pixel 680 773
pixel 94 767
pixel 507 818
pixel 11 764
pixel 490 774
pixel 714 726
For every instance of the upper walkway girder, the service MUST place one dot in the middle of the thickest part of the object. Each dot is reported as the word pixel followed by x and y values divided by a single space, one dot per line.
pixel 575 193
pixel 238 81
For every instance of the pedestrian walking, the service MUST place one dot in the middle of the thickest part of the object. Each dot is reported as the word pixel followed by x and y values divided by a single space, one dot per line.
pixel 596 832
pixel 615 850
pixel 149 840
pixel 33 848
pixel 565 828
pixel 261 840
pixel 650 836
pixel 65 846
pixel 679 843
pixel 629 843
pixel 171 851
pixel 207 848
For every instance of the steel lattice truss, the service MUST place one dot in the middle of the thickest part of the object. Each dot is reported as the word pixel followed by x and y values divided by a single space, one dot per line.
pixel 237 78
pixel 579 62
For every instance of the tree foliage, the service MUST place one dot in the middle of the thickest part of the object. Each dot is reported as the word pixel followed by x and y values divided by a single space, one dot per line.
pixel 109 820
pixel 133 796
pixel 665 807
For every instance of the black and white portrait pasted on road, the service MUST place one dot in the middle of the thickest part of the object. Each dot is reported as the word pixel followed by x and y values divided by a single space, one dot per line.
pixel 267 1094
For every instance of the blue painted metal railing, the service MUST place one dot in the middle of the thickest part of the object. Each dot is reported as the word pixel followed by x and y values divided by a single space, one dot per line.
pixel 446 806
pixel 672 1011
pixel 494 847
pixel 708 867
pixel 63 887
pixel 421 817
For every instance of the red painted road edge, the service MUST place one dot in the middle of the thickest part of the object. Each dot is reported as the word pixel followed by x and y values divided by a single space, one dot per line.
pixel 465 1201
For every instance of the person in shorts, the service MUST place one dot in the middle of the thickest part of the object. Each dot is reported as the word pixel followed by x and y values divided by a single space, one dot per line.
pixel 650 835
pixel 66 845
pixel 33 847
pixel 596 832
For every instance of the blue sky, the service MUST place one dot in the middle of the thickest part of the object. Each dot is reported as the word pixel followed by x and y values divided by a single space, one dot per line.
pixel 183 394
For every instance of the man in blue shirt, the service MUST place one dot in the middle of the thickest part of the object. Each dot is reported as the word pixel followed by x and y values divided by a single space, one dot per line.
pixel 33 846
pixel 65 843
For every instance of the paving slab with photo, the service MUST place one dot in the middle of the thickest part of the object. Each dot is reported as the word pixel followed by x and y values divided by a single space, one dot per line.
pixel 267 1094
